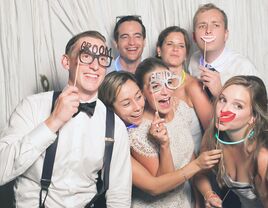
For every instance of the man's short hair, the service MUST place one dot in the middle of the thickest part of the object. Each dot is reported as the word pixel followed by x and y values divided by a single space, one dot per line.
pixel 207 7
pixel 90 33
pixel 125 19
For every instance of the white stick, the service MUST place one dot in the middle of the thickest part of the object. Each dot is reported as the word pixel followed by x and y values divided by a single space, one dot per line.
pixel 205 51
pixel 155 104
pixel 217 144
pixel 76 72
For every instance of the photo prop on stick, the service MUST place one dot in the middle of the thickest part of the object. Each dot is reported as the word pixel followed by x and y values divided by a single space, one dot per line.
pixel 89 52
pixel 207 39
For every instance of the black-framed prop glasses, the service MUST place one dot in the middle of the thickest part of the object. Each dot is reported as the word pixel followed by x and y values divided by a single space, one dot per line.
pixel 88 58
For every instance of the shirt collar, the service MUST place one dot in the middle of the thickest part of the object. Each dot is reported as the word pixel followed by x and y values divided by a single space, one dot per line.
pixel 118 66
pixel 94 98
pixel 218 61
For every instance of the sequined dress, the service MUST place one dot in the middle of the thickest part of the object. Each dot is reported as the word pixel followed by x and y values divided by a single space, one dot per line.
pixel 181 146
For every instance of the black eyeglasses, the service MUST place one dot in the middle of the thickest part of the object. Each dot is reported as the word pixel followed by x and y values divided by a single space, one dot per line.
pixel 128 17
pixel 88 58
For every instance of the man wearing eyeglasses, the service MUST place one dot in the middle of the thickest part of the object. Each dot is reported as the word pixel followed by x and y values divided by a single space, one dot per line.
pixel 78 131
pixel 129 36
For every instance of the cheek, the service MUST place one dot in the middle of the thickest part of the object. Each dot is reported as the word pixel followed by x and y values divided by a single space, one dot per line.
pixel 218 109
pixel 150 99
pixel 142 103
pixel 140 42
pixel 183 53
pixel 120 45
pixel 243 117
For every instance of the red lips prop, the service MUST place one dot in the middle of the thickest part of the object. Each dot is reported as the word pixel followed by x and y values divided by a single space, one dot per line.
pixel 227 116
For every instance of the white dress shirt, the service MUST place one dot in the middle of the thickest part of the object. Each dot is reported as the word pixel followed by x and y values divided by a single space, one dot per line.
pixel 228 64
pixel 78 158
pixel 115 66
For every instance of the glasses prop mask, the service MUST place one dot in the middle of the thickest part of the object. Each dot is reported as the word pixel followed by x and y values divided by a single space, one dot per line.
pixel 89 52
pixel 158 80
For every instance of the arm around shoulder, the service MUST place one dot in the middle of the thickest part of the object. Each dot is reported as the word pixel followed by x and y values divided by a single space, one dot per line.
pixel 200 101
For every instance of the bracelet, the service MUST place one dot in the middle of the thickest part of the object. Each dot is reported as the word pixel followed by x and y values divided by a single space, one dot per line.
pixel 210 194
pixel 184 176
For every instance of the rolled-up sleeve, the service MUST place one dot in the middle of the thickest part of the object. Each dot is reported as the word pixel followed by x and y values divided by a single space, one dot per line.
pixel 23 141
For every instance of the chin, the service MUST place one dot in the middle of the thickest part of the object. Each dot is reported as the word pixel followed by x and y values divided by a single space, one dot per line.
pixel 163 112
pixel 136 122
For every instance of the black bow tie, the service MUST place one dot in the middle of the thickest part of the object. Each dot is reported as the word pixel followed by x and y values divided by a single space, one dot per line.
pixel 88 108
pixel 206 88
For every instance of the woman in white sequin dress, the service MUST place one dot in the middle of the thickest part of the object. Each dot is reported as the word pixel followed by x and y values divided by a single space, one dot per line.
pixel 120 92
pixel 173 47
pixel 157 85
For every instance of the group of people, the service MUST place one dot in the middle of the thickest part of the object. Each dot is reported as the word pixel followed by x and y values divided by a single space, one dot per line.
pixel 180 134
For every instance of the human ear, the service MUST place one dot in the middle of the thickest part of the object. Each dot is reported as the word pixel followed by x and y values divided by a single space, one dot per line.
pixel 193 36
pixel 65 62
pixel 226 35
pixel 115 44
pixel 252 120
pixel 158 51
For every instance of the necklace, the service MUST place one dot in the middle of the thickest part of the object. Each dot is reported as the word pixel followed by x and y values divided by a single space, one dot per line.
pixel 250 135
pixel 181 78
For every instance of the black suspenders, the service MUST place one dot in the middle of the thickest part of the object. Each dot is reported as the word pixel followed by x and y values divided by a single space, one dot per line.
pixel 98 200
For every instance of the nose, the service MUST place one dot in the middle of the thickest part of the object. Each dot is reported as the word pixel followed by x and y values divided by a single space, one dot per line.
pixel 208 29
pixel 136 106
pixel 94 65
pixel 131 40
pixel 175 46
pixel 224 107
pixel 164 90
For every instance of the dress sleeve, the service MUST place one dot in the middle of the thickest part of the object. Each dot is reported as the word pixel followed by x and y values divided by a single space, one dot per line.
pixel 141 143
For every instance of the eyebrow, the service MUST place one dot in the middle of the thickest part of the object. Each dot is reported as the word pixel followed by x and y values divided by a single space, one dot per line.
pixel 236 100
pixel 240 101
pixel 214 21
pixel 137 33
pixel 171 41
pixel 138 91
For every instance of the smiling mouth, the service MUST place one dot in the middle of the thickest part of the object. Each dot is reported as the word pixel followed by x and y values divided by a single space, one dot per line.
pixel 136 116
pixel 226 116
pixel 91 75
pixel 208 38
pixel 132 49
pixel 164 102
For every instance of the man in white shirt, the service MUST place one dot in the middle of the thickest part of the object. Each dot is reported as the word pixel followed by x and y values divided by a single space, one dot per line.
pixel 210 26
pixel 81 137
pixel 129 36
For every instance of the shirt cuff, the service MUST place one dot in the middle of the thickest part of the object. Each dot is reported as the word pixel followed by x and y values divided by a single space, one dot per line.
pixel 41 137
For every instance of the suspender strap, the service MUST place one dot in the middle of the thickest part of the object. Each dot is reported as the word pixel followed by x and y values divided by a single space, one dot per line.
pixel 109 144
pixel 102 186
pixel 48 162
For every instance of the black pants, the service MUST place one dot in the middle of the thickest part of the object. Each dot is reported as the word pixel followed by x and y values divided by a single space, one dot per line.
pixel 7 195
pixel 231 200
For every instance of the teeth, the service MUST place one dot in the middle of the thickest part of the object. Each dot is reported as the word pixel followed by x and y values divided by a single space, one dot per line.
pixel 164 100
pixel 208 38
pixel 132 49
pixel 91 75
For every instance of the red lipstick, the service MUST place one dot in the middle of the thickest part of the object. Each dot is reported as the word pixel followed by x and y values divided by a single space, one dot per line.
pixel 227 116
